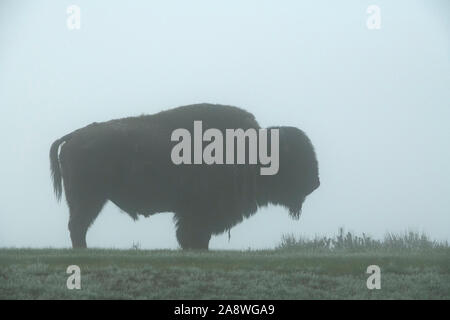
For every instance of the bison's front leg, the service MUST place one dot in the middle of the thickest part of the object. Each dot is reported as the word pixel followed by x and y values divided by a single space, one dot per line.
pixel 191 235
pixel 78 230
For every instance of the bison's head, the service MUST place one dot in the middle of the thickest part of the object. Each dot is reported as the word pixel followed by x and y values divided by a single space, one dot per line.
pixel 298 173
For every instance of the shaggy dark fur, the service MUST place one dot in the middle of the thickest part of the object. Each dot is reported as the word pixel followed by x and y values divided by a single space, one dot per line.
pixel 127 161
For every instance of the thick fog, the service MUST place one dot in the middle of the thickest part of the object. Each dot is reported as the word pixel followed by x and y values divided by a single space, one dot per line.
pixel 375 103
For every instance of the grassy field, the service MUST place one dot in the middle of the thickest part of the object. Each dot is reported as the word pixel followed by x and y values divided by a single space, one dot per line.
pixel 323 268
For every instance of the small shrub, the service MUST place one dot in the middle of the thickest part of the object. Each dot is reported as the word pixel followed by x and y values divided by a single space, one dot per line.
pixel 136 246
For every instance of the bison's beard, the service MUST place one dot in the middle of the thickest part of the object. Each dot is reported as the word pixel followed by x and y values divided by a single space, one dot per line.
pixel 295 209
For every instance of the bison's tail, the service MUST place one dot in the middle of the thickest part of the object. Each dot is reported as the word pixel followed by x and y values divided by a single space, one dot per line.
pixel 55 166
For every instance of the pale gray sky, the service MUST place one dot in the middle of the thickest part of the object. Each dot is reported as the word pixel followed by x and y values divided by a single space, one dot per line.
pixel 375 103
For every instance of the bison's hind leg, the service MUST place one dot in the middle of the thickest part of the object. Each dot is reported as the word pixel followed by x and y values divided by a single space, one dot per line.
pixel 192 234
pixel 84 208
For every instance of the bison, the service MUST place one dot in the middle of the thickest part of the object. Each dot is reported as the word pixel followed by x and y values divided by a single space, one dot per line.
pixel 128 161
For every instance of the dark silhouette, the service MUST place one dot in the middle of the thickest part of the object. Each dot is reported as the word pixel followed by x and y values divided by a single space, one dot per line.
pixel 127 161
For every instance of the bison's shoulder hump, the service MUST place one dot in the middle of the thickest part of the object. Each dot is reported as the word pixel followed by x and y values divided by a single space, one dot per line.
pixel 210 112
